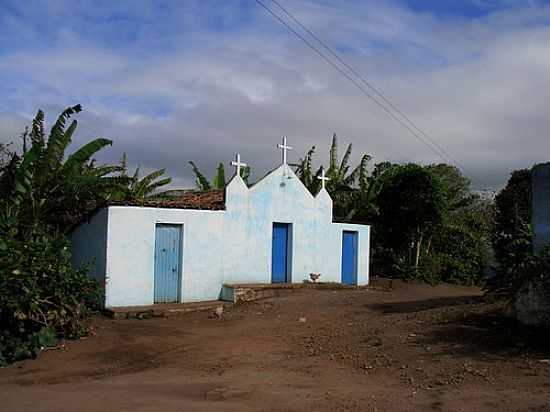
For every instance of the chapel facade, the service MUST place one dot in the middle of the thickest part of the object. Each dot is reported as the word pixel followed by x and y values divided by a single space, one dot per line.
pixel 185 249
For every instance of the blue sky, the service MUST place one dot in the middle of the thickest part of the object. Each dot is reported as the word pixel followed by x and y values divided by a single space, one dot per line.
pixel 172 81
pixel 460 8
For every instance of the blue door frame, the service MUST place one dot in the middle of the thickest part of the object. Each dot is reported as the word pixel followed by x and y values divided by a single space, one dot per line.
pixel 168 239
pixel 280 263
pixel 349 258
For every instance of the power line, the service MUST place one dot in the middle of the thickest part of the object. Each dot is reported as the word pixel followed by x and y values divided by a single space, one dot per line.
pixel 351 79
pixel 428 141
pixel 359 76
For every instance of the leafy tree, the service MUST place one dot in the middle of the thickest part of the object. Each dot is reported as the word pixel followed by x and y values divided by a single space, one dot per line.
pixel 41 295
pixel 352 192
pixel 454 185
pixel 201 181
pixel 512 235
pixel 5 155
pixel 51 188
pixel 338 170
pixel 44 192
pixel 455 247
pixel 364 207
pixel 463 243
pixel 144 188
pixel 304 171
pixel 411 204
pixel 147 186
pixel 219 178
pixel 245 174
pixel 430 228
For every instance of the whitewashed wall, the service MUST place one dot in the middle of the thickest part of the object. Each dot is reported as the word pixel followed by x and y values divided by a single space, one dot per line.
pixel 281 197
pixel 131 252
pixel 231 246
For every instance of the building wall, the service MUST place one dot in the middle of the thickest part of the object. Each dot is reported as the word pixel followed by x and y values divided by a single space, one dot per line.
pixel 231 246
pixel 316 241
pixel 540 181
pixel 131 254
pixel 89 245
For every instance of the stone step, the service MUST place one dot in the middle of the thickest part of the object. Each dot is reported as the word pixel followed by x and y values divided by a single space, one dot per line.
pixel 247 292
pixel 165 309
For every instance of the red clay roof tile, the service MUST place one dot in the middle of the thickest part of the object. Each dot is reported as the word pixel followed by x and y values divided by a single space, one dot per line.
pixel 208 200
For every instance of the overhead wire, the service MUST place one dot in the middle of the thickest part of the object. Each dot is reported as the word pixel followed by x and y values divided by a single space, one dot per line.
pixel 404 120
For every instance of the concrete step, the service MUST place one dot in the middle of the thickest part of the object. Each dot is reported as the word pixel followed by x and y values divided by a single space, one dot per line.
pixel 247 292
pixel 165 309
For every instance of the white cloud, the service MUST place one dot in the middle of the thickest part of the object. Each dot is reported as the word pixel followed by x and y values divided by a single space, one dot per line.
pixel 479 87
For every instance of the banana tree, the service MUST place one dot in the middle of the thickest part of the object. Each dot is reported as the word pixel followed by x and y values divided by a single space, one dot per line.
pixel 304 171
pixel 353 192
pixel 148 186
pixel 219 178
pixel 50 188
pixel 218 181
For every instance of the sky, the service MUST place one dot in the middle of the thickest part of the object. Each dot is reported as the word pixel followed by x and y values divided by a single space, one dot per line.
pixel 173 81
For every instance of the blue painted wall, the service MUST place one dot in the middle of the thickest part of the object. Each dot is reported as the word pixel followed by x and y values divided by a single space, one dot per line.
pixel 540 181
pixel 89 245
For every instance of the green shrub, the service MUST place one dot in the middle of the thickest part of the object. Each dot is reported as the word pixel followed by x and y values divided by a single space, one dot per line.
pixel 462 254
pixel 531 268
pixel 512 234
pixel 41 296
pixel 441 267
pixel 428 271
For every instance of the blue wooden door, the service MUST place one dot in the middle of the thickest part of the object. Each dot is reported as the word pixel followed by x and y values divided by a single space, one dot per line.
pixel 279 253
pixel 349 258
pixel 167 262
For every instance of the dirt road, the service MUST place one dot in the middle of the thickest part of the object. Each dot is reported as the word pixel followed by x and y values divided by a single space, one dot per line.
pixel 414 348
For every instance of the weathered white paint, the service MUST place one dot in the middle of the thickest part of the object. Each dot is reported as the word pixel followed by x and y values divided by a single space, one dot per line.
pixel 231 246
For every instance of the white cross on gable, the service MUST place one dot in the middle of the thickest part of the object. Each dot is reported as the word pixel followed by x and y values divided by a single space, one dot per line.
pixel 284 148
pixel 238 164
pixel 323 178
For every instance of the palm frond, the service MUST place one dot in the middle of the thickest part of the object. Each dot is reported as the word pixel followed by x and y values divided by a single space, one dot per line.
pixel 344 165
pixel 82 155
pixel 201 181
pixel 303 169
pixel 22 184
pixel 123 164
pixel 60 138
pixel 105 170
pixel 219 178
pixel 245 173
pixel 37 132
pixel 333 155
pixel 142 187
pixel 154 186
pixel 55 151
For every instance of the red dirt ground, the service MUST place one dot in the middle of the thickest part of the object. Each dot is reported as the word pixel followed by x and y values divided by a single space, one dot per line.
pixel 415 348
